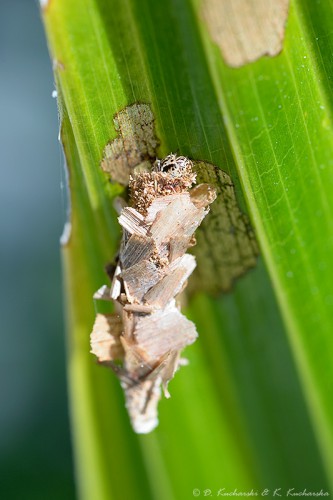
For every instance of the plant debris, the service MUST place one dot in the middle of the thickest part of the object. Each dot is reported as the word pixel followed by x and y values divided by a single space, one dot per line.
pixel 143 340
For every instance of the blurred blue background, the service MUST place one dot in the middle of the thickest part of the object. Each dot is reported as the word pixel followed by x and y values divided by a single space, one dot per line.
pixel 35 451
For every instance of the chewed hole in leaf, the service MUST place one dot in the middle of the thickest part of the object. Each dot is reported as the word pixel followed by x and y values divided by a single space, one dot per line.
pixel 226 245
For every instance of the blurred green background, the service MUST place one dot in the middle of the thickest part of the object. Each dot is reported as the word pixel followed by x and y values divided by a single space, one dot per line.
pixel 35 450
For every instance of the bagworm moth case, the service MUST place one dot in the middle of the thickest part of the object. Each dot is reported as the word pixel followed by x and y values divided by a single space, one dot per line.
pixel 143 339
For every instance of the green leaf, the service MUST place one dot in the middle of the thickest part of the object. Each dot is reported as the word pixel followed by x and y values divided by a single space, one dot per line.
pixel 239 413
pixel 279 124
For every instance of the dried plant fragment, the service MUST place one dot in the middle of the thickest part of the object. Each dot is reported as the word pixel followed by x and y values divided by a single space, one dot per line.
pixel 143 342
pixel 246 30
pixel 138 279
pixel 172 283
pixel 132 221
pixel 227 247
pixel 105 337
pixel 137 249
pixel 135 145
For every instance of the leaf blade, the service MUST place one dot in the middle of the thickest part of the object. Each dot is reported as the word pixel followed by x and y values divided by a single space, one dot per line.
pixel 292 244
pixel 173 78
